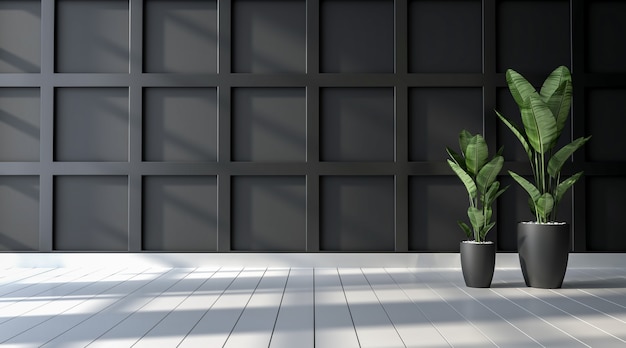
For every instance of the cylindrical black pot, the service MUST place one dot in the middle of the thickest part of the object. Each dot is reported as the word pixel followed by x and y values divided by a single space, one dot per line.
pixel 477 262
pixel 543 252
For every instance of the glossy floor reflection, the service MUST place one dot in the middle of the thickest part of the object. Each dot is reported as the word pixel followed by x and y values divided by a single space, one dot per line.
pixel 306 307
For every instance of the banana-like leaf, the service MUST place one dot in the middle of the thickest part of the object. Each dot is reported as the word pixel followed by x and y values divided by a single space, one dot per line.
pixel 488 213
pixel 539 124
pixel 493 188
pixel 488 173
pixel 532 190
pixel 560 157
pixel 476 217
pixel 466 229
pixel 494 193
pixel 464 139
pixel 467 180
pixel 458 159
pixel 476 154
pixel 544 206
pixel 556 78
pixel 520 88
pixel 485 230
pixel 518 132
pixel 565 185
pixel 559 103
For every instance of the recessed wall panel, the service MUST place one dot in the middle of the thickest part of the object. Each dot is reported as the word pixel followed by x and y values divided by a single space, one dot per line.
pixel 20 53
pixel 268 213
pixel 432 111
pixel 357 36
pixel 604 122
pixel 180 36
pixel 435 206
pixel 357 124
pixel 180 213
pixel 445 36
pixel 357 213
pixel 269 124
pixel 92 36
pixel 269 36
pixel 91 124
pixel 180 124
pixel 533 36
pixel 19 124
pixel 605 210
pixel 605 26
pixel 19 199
pixel 90 213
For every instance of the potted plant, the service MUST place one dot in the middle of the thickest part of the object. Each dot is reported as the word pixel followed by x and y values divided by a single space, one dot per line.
pixel 478 174
pixel 543 245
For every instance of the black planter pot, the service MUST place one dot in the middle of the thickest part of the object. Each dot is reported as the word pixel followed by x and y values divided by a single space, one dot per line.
pixel 543 253
pixel 477 262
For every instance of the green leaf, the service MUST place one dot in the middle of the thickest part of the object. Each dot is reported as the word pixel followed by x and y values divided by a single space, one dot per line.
pixel 532 190
pixel 489 172
pixel 565 185
pixel 539 124
pixel 476 154
pixel 518 132
pixel 560 157
pixel 544 206
pixel 520 88
pixel 556 79
pixel 466 229
pixel 458 159
pixel 464 139
pixel 559 103
pixel 467 180
pixel 485 230
pixel 476 217
pixel 493 193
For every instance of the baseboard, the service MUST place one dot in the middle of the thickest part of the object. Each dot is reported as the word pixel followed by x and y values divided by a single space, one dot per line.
pixel 412 260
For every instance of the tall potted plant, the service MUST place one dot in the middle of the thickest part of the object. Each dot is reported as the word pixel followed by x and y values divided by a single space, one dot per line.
pixel 479 175
pixel 543 245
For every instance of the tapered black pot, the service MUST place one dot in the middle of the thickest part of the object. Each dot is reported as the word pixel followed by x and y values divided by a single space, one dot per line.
pixel 543 253
pixel 477 262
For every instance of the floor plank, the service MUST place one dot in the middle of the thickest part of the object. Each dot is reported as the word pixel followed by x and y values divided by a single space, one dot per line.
pixel 295 322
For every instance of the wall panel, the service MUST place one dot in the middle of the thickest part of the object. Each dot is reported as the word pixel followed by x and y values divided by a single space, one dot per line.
pixel 289 125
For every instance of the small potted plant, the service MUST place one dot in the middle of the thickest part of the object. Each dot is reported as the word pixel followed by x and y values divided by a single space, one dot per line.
pixel 479 176
pixel 543 245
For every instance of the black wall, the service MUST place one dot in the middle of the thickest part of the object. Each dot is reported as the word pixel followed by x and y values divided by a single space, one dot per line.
pixel 289 125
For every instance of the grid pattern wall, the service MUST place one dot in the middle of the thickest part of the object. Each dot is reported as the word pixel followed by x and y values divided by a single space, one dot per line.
pixel 288 125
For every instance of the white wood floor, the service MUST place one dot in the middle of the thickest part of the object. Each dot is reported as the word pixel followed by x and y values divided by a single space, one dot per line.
pixel 306 307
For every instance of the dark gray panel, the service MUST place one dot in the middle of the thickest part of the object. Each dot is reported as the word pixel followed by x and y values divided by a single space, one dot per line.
pixel 605 122
pixel 91 213
pixel 533 36
pixel 20 53
pixel 91 124
pixel 180 213
pixel 357 213
pixel 19 199
pixel 445 36
pixel 357 124
pixel 180 36
pixel 180 124
pixel 513 208
pixel 19 124
pixel 357 36
pixel 92 36
pixel 437 115
pixel 606 204
pixel 513 150
pixel 268 213
pixel 605 28
pixel 269 36
pixel 435 206
pixel 269 124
